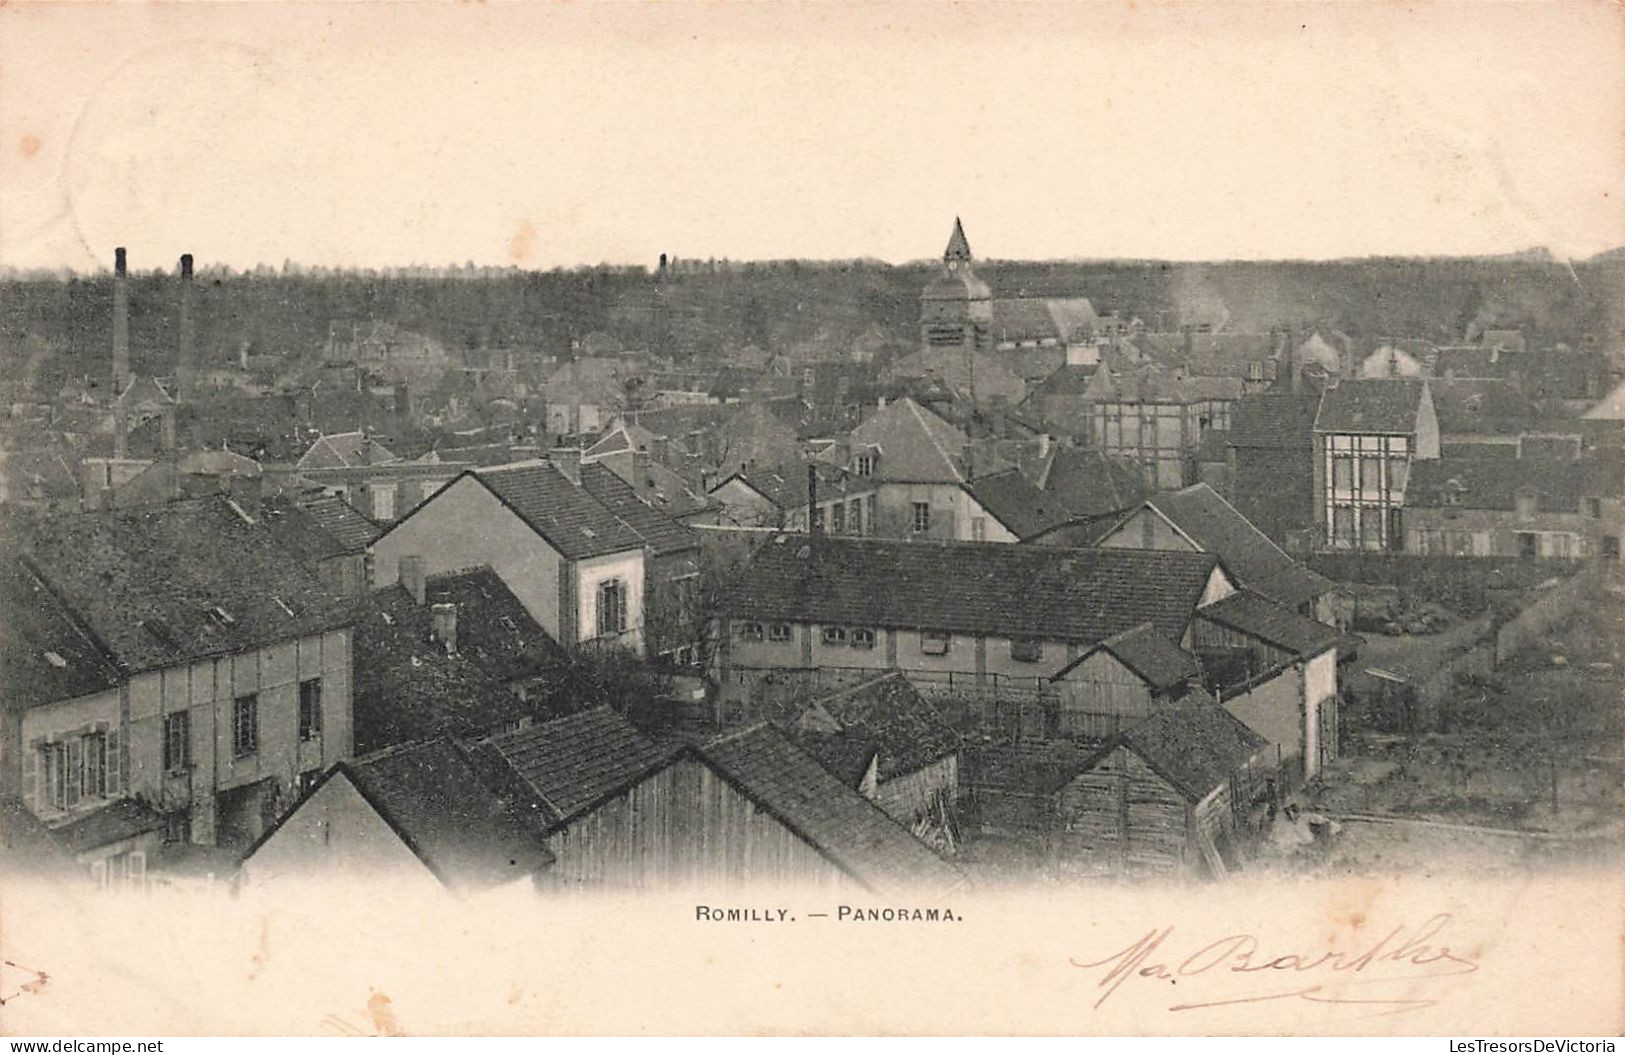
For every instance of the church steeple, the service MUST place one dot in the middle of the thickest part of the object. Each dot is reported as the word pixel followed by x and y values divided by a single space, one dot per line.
pixel 958 251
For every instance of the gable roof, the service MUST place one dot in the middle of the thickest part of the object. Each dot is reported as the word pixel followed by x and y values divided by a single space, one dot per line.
pixel 353 529
pixel 1150 655
pixel 1091 483
pixel 345 450
pixel 1272 623
pixel 885 720
pixel 850 831
pixel 1385 405
pixel 576 762
pixel 664 535
pixel 1194 744
pixel 1203 516
pixel 407 687
pixel 563 513
pixel 969 587
pixel 1275 420
pixel 1493 483
pixel 1018 504
pixel 45 655
pixel 160 585
pixel 1482 404
pixel 434 797
pixel 915 445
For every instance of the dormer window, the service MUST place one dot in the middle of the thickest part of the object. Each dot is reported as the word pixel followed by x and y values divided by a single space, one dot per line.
pixel 221 616
pixel 864 465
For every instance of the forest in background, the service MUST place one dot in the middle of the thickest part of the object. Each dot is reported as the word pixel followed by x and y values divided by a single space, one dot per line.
pixel 55 327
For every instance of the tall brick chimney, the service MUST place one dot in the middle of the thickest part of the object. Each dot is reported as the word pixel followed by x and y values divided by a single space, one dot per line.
pixel 185 364
pixel 121 324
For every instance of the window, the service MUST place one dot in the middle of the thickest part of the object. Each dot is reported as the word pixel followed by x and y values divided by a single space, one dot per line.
pixel 750 631
pixel 1371 528
pixel 978 529
pixel 245 725
pixel 1528 544
pixel 383 502
pixel 54 774
pixel 837 519
pixel 1398 472
pixel 864 465
pixel 1026 651
pixel 306 781
pixel 1343 474
pixel 818 519
pixel 1593 508
pixel 611 607
pixel 1610 547
pixel 1526 504
pixel 922 517
pixel 854 517
pixel 1371 473
pixel 310 709
pixel 94 749
pixel 863 637
pixel 1343 527
pixel 178 827
pixel 933 643
pixel 834 635
pixel 778 632
pixel 177 741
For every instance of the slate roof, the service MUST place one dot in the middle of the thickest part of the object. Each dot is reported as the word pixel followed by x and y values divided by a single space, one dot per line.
pixel 848 829
pixel 1258 564
pixel 564 513
pixel 1494 483
pixel 1156 659
pixel 435 797
pixel 884 719
pixel 406 686
pixel 574 763
pixel 1386 406
pixel 664 535
pixel 164 584
pixel 1270 622
pixel 1019 504
pixel 969 587
pixel 1195 744
pixel 34 627
pixel 1274 420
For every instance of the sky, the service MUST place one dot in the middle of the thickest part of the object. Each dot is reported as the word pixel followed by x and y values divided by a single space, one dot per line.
pixel 557 134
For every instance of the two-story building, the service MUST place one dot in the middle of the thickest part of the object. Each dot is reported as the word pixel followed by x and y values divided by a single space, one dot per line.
pixel 1158 418
pixel 200 676
pixel 1566 508
pixel 1369 435
pixel 577 567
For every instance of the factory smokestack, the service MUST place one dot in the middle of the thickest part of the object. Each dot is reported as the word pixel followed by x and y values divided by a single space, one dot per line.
pixel 121 325
pixel 185 365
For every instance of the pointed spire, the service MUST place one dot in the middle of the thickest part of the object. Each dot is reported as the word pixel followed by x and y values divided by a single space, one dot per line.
pixel 958 251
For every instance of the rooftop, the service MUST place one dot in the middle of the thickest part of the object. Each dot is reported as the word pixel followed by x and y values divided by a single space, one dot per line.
pixel 884 720
pixel 1273 623
pixel 1019 504
pixel 968 587
pixel 564 513
pixel 574 763
pixel 1155 659
pixel 1388 406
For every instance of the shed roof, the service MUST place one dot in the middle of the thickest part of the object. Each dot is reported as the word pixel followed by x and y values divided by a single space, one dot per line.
pixel 1194 744
pixel 1275 624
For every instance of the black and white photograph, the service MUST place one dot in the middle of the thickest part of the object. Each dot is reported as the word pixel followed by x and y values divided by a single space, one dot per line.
pixel 1086 518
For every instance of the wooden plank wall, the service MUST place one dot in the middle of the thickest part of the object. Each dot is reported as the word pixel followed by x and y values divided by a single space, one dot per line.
pixel 1122 818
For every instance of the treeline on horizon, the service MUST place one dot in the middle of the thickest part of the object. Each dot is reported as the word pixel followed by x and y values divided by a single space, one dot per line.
pixel 60 326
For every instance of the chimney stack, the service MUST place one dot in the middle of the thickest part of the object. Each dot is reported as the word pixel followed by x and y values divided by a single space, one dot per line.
pixel 121 324
pixel 812 499
pixel 567 460
pixel 444 626
pixel 184 364
pixel 411 571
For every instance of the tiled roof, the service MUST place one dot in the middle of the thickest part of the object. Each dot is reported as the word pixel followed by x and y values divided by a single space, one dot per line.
pixel 1065 381
pixel 345 449
pixel 114 822
pixel 969 587
pixel 663 534
pixel 163 584
pixel 786 486
pixel 352 528
pixel 842 825
pixel 1494 483
pixel 1090 483
pixel 1018 504
pixel 1371 405
pixel 885 717
pixel 406 685
pixel 914 444
pixel 564 513
pixel 1258 564
pixel 45 656
pixel 433 795
pixel 1276 421
pixel 1156 659
pixel 1483 405
pixel 1194 744
pixel 574 763
pixel 1260 617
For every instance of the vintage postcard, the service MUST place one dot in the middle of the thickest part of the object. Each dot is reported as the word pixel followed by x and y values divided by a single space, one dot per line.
pixel 812 518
